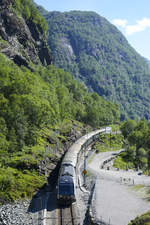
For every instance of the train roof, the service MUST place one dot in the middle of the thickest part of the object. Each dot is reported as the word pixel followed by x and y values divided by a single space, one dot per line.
pixel 72 153
pixel 65 180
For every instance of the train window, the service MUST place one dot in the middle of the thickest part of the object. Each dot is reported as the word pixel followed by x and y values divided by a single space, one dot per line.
pixel 67 171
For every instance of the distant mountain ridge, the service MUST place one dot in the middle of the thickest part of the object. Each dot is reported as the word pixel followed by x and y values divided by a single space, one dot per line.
pixel 148 61
pixel 96 53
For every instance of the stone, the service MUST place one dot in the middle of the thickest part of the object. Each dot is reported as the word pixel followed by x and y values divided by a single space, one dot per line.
pixel 26 41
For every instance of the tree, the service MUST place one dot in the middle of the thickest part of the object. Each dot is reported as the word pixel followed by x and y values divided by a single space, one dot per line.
pixel 131 153
pixel 142 158
pixel 128 127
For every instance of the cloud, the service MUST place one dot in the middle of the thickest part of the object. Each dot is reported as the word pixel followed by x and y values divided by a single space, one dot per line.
pixel 140 25
pixel 120 22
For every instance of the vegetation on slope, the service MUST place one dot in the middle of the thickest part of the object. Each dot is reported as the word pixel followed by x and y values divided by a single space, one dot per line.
pixel 94 51
pixel 137 146
pixel 29 11
pixel 109 142
pixel 141 220
pixel 33 106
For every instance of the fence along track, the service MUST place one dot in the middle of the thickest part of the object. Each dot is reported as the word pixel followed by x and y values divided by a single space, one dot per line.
pixel 67 216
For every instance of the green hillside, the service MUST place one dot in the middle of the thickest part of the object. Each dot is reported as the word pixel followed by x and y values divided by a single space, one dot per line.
pixel 95 52
pixel 42 108
pixel 33 105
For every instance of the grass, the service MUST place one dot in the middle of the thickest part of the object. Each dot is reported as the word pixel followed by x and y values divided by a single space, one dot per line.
pixel 142 191
pixel 91 158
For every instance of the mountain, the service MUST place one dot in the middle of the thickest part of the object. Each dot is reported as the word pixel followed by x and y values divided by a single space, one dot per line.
pixel 23 33
pixel 95 52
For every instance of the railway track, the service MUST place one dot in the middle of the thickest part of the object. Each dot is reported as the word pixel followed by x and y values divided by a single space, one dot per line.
pixel 68 216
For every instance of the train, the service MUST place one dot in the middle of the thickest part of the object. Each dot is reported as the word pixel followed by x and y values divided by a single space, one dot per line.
pixel 66 186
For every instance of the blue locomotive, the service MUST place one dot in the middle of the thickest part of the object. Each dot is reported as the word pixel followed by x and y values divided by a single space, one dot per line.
pixel 66 185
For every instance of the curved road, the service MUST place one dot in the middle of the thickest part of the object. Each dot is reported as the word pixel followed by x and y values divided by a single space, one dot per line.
pixel 114 201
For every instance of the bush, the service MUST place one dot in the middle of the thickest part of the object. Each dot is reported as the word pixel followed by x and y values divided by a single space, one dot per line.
pixel 122 164
pixel 15 184
pixel 141 220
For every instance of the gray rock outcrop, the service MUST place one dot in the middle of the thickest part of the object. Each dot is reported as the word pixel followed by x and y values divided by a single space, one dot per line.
pixel 20 40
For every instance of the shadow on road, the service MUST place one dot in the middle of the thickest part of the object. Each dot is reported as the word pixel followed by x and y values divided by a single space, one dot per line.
pixel 45 198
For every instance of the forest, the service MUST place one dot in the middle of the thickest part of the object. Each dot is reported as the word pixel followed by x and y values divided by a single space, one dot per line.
pixel 32 105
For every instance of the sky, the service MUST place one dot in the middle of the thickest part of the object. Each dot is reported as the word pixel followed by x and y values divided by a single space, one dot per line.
pixel 131 17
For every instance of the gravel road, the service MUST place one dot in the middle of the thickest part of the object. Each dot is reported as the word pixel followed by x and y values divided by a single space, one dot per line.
pixel 114 200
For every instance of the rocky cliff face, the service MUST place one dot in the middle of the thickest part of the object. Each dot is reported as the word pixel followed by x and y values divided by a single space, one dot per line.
pixel 22 41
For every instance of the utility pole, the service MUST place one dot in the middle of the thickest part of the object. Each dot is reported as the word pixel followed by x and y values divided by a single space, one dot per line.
pixel 110 140
pixel 84 170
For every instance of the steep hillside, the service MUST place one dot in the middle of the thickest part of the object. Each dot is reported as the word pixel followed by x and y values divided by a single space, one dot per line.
pixel 95 52
pixel 23 33
pixel 37 118
pixel 42 109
